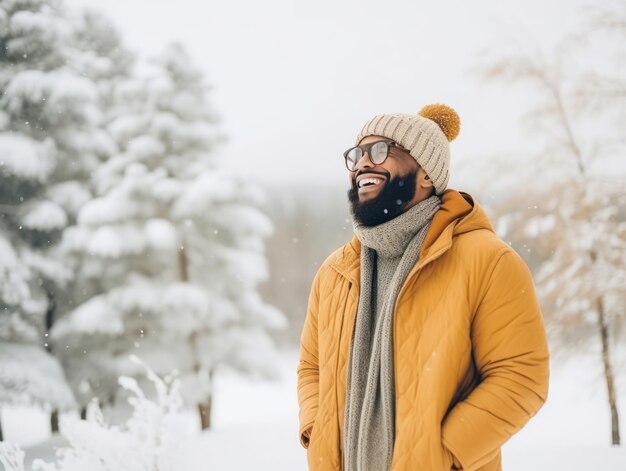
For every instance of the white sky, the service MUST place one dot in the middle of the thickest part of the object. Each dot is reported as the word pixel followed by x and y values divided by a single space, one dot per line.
pixel 294 81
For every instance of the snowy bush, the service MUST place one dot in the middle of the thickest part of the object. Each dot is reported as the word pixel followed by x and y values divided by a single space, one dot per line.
pixel 149 440
pixel 11 457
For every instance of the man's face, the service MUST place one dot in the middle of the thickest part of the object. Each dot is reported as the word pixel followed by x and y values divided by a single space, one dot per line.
pixel 380 192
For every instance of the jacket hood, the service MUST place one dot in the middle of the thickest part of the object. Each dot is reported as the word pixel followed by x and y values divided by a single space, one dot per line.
pixel 459 213
pixel 460 208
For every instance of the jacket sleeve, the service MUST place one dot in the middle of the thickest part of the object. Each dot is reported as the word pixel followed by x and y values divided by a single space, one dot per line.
pixel 511 353
pixel 308 366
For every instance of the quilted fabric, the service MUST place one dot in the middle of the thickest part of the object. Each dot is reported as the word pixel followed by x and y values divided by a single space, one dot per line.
pixel 470 348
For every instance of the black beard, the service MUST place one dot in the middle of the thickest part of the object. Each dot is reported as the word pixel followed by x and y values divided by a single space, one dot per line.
pixel 390 202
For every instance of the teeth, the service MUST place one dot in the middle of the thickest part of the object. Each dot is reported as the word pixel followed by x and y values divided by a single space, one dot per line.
pixel 374 181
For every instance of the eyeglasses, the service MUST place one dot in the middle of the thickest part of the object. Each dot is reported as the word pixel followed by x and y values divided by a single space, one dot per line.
pixel 377 150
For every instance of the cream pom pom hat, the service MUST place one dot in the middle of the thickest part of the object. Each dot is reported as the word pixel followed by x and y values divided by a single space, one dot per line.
pixel 426 135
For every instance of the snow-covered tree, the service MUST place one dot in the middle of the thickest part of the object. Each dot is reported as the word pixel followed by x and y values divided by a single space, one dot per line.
pixel 49 145
pixel 175 246
pixel 101 56
pixel 569 198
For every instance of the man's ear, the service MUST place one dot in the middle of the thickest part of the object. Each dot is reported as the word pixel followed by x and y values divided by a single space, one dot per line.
pixel 427 182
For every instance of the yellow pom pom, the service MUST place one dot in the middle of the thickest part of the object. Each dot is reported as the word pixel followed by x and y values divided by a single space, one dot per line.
pixel 447 119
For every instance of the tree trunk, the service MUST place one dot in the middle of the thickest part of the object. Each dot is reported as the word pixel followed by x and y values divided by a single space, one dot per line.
pixel 54 421
pixel 54 417
pixel 204 408
pixel 183 264
pixel 52 304
pixel 1 434
pixel 608 372
pixel 83 413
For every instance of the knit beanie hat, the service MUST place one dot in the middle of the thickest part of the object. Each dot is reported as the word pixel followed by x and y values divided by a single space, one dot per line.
pixel 426 135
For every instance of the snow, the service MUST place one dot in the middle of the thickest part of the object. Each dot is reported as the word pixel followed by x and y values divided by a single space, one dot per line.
pixel 146 147
pixel 113 242
pixel 27 426
pixel 255 426
pixel 261 446
pixel 8 257
pixel 207 190
pixel 161 234
pixel 43 215
pixel 26 158
pixel 27 22
pixel 106 210
pixel 30 375
pixel 90 317
pixel 69 195
pixel 56 92
pixel 50 267
pixel 125 127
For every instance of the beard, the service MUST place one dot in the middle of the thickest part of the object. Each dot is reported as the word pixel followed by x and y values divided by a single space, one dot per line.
pixel 390 202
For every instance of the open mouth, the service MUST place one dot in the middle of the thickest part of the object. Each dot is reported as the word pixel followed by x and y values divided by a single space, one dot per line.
pixel 369 181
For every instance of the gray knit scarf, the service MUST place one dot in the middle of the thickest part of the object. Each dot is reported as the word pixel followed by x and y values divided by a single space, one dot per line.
pixel 388 253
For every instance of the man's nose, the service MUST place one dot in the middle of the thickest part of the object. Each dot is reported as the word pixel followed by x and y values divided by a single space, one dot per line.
pixel 364 162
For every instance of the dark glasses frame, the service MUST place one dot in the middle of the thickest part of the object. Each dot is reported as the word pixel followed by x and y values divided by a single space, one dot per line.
pixel 365 148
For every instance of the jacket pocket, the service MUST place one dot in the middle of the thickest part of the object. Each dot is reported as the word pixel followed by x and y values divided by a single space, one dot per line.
pixel 312 452
pixel 470 380
pixel 314 429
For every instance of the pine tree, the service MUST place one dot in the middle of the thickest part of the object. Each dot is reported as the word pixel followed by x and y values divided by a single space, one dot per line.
pixel 175 246
pixel 48 148
pixel 101 56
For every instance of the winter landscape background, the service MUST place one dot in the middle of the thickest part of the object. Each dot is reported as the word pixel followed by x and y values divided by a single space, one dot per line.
pixel 171 178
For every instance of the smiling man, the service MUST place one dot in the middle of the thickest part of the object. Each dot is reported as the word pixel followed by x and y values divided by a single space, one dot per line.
pixel 424 346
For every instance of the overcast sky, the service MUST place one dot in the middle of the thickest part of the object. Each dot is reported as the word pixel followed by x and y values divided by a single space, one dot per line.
pixel 294 81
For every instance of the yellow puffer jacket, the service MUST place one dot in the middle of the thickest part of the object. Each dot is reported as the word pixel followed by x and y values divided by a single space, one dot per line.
pixel 471 360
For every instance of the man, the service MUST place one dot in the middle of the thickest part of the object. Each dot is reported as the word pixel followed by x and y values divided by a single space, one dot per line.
pixel 424 346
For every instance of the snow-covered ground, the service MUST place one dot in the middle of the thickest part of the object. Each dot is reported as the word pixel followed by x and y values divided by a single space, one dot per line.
pixel 255 426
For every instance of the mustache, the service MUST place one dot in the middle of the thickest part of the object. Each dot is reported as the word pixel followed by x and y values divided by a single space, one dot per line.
pixel 385 174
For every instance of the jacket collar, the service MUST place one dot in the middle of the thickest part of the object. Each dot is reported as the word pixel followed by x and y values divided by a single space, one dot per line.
pixel 459 213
